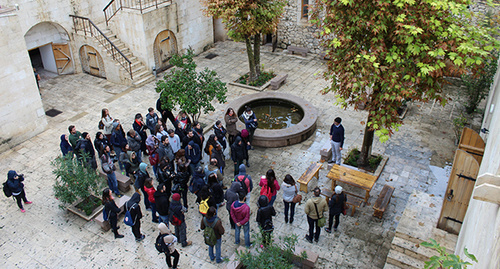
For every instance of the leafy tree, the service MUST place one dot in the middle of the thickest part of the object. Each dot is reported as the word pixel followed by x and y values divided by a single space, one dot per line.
pixel 445 259
pixel 477 85
pixel 246 20
pixel 385 51
pixel 192 91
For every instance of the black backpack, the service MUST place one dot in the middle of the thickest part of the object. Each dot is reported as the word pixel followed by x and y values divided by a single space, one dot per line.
pixel 244 187
pixel 160 243
pixel 6 190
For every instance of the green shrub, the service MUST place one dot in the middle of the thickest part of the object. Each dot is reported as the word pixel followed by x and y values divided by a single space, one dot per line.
pixel 261 80
pixel 444 259
pixel 75 181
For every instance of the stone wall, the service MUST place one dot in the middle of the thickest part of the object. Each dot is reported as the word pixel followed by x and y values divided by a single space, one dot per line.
pixel 296 31
pixel 21 111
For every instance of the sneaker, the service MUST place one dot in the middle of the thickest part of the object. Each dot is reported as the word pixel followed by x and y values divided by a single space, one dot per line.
pixel 316 240
pixel 328 230
pixel 140 239
pixel 308 240
pixel 119 236
pixel 335 229
pixel 188 243
pixel 29 202
pixel 123 173
pixel 291 221
pixel 331 161
pixel 22 210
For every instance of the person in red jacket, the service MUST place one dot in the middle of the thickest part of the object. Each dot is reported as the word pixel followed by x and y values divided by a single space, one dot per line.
pixel 150 190
pixel 240 214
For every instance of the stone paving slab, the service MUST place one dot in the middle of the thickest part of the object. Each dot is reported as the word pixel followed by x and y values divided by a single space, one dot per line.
pixel 49 237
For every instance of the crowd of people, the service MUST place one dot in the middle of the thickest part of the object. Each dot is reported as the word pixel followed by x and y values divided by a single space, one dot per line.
pixel 176 158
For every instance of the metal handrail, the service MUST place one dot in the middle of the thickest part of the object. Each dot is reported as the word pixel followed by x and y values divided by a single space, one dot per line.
pixel 114 6
pixel 94 31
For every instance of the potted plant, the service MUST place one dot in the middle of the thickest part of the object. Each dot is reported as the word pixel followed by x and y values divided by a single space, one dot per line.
pixel 77 187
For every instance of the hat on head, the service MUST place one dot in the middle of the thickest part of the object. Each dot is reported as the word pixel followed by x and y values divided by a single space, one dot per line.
pixel 176 197
pixel 244 133
pixel 338 190
pixel 164 229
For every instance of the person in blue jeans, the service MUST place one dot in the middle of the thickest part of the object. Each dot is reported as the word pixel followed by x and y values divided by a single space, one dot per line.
pixel 211 219
pixel 108 167
pixel 240 214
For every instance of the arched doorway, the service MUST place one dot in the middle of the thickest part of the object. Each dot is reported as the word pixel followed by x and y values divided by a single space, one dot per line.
pixel 164 48
pixel 48 47
pixel 92 62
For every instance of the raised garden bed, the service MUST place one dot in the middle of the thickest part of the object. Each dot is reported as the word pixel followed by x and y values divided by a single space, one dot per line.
pixel 87 208
pixel 260 84
pixel 376 161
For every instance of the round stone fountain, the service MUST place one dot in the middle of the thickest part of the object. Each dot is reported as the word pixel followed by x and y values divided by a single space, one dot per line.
pixel 284 119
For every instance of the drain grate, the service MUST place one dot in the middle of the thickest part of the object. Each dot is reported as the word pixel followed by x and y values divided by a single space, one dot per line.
pixel 52 112
pixel 211 56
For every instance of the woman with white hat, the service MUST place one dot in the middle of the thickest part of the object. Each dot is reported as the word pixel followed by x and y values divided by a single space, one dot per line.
pixel 170 241
pixel 336 204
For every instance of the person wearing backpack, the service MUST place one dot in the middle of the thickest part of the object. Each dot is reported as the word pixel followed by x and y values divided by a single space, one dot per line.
pixel 205 200
pixel 246 182
pixel 136 215
pixel 111 211
pixel 240 213
pixel 337 205
pixel 15 185
pixel 178 219
pixel 213 231
pixel 265 219
pixel 270 186
pixel 197 181
pixel 167 242
pixel 232 195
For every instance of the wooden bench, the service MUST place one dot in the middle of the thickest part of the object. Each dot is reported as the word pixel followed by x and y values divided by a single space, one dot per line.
pixel 120 203
pixel 383 200
pixel 312 171
pixel 278 80
pixel 353 201
pixel 326 152
pixel 310 261
pixel 301 50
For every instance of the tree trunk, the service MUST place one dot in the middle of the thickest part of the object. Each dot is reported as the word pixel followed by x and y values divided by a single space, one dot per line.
pixel 366 148
pixel 251 60
pixel 256 53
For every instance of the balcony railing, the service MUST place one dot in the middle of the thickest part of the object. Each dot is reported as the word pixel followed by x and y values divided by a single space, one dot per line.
pixel 142 5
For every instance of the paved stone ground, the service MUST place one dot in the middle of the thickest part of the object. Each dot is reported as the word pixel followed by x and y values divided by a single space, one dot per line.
pixel 48 237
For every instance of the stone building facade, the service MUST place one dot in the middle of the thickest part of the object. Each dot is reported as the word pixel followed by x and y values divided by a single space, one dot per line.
pixel 42 34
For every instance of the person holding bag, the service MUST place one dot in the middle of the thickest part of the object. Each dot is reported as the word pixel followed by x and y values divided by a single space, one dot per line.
pixel 290 196
pixel 337 206
pixel 314 209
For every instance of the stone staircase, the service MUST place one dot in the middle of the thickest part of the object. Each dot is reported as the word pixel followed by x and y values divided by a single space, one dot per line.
pixel 140 73
pixel 418 224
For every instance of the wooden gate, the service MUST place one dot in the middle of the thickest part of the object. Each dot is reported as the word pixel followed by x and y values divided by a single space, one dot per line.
pixel 91 61
pixel 462 180
pixel 165 47
pixel 62 55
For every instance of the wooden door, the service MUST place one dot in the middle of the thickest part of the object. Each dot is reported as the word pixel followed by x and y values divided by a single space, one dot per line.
pixel 92 62
pixel 165 47
pixel 62 55
pixel 458 193
pixel 472 143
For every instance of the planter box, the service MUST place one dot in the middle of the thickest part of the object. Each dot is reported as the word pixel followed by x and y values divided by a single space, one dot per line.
pixel 261 88
pixel 72 208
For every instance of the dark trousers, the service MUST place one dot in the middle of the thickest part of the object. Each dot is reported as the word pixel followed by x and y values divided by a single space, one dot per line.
pixel 231 139
pixel 266 238
pixel 153 211
pixel 184 196
pixel 313 223
pixel 19 197
pixel 291 206
pixel 168 256
pixel 180 232
pixel 136 229
pixel 237 167
pixel 330 220
pixel 231 221
pixel 113 222
pixel 251 131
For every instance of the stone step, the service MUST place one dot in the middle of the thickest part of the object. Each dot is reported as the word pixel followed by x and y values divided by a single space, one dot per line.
pixel 404 261
pixel 411 249
pixel 391 266
pixel 143 81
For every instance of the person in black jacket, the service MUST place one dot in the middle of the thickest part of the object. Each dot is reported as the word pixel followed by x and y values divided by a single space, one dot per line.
pixel 218 154
pixel 216 189
pixel 135 212
pixel 100 142
pixel 165 113
pixel 85 151
pixel 16 186
pixel 177 214
pixel 220 132
pixel 265 219
pixel 162 199
pixel 166 175
pixel 140 178
pixel 111 211
pixel 336 204
pixel 238 154
pixel 232 195
pixel 180 183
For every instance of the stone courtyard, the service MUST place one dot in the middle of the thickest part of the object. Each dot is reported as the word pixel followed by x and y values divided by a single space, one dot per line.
pixel 49 237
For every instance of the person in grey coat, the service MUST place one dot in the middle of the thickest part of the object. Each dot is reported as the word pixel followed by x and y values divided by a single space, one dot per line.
pixel 134 142
pixel 165 150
